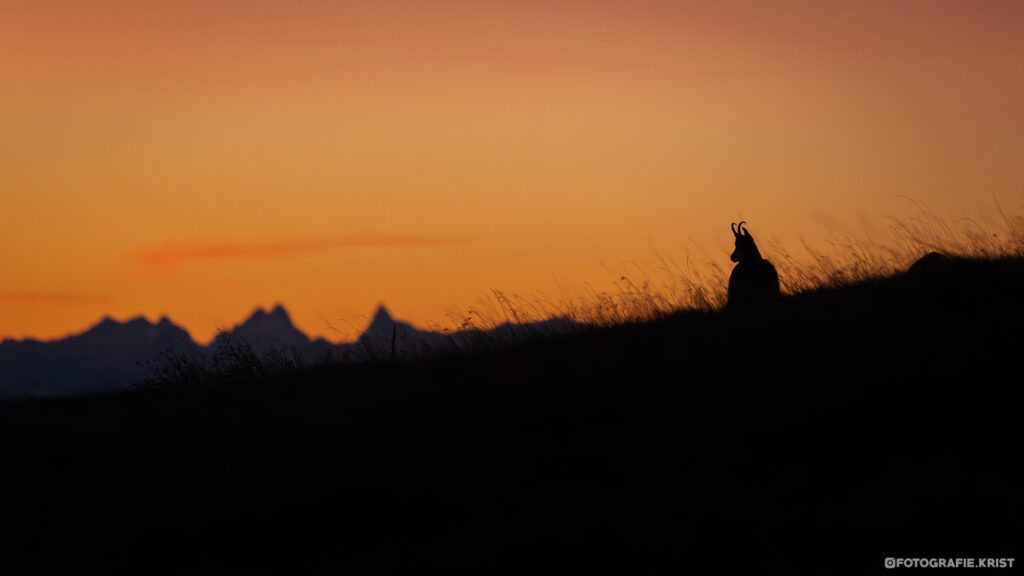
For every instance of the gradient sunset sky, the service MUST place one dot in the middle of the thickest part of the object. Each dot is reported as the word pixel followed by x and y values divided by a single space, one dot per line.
pixel 200 159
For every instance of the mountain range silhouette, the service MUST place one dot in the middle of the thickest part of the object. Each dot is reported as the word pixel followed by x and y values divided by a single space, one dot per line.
pixel 824 433
pixel 114 355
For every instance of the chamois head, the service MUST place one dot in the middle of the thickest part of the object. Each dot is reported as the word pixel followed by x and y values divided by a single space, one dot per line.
pixel 746 250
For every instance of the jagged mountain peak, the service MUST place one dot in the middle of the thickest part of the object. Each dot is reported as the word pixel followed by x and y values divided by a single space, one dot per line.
pixel 108 325
pixel 383 322
pixel 277 319
pixel 273 328
pixel 278 312
pixel 382 316
pixel 384 331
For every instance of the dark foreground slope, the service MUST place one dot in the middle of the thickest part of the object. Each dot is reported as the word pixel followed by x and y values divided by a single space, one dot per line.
pixel 838 429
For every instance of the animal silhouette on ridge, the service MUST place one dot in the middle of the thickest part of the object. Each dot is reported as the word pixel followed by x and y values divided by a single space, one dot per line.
pixel 754 283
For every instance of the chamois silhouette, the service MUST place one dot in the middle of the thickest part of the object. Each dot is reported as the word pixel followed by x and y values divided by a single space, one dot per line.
pixel 754 283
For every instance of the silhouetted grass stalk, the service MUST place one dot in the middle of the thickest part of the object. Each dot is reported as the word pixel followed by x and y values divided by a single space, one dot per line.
pixel 700 282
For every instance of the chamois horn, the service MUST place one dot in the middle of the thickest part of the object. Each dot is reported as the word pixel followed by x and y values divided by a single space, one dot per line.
pixel 741 230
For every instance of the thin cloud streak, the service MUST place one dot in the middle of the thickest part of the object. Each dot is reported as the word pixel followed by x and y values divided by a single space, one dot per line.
pixel 175 254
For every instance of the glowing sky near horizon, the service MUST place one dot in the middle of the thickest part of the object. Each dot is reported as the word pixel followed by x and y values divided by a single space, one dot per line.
pixel 200 159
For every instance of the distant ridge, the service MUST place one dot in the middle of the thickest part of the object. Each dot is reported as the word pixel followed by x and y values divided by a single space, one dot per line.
pixel 113 355
pixel 105 357
pixel 382 326
pixel 262 328
pixel 384 331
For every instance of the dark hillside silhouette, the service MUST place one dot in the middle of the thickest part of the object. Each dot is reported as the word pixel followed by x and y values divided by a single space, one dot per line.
pixel 819 435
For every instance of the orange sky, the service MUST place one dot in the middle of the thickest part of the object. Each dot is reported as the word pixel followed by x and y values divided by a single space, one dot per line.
pixel 197 160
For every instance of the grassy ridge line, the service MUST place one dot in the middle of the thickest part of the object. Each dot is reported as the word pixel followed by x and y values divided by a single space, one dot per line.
pixel 848 423
pixel 698 281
